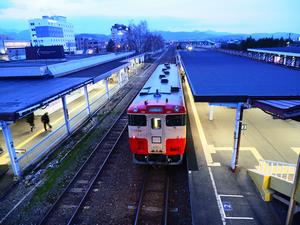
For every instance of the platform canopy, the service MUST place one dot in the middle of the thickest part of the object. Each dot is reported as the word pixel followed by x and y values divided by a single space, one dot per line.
pixel 219 77
pixel 21 95
pixel 283 109
pixel 100 72
pixel 287 51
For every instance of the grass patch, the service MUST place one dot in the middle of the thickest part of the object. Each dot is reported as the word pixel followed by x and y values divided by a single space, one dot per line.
pixel 59 177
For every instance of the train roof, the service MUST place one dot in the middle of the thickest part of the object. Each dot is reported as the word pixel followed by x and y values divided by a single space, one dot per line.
pixel 162 88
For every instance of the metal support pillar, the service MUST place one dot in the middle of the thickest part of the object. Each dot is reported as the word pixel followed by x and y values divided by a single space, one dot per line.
pixel 66 113
pixel 290 214
pixel 107 88
pixel 10 148
pixel 211 112
pixel 284 60
pixel 86 94
pixel 237 136
pixel 120 80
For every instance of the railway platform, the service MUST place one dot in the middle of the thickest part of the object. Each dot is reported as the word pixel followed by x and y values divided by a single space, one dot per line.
pixel 217 195
pixel 26 141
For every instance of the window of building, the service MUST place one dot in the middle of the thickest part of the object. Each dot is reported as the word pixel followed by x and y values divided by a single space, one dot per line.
pixel 137 120
pixel 175 120
pixel 156 123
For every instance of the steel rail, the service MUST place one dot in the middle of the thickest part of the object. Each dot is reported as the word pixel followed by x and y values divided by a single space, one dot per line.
pixel 47 216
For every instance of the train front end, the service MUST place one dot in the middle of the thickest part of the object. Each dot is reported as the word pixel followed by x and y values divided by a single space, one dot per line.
pixel 157 122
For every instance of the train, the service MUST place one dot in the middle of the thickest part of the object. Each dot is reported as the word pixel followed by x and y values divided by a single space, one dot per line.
pixel 157 119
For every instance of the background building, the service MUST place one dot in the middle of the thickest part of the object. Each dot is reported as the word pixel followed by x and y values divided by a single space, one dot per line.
pixel 13 49
pixel 118 34
pixel 52 30
pixel 90 44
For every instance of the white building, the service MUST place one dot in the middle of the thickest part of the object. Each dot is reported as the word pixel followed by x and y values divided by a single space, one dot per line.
pixel 118 33
pixel 52 30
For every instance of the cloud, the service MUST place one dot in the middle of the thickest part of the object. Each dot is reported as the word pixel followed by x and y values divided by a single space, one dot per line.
pixel 202 13
pixel 210 10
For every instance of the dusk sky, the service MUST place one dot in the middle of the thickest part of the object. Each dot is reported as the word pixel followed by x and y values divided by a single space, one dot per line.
pixel 97 16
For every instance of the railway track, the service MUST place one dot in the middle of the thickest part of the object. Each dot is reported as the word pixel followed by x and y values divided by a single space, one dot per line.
pixel 152 205
pixel 70 201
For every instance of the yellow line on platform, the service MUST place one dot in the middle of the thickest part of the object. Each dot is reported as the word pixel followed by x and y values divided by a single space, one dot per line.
pixel 208 158
pixel 42 130
pixel 296 150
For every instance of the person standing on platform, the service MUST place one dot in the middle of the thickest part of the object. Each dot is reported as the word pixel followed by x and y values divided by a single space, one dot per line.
pixel 30 120
pixel 46 121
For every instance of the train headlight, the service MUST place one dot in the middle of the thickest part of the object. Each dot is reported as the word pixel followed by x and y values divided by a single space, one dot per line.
pixel 176 108
pixel 135 110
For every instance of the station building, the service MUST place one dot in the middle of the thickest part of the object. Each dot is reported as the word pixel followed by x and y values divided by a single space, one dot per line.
pixel 52 30
pixel 70 90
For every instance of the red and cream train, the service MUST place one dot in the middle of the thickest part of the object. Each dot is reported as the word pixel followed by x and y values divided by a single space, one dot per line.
pixel 157 119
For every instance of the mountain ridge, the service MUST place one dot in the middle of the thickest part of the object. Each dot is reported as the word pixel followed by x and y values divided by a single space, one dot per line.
pixel 169 35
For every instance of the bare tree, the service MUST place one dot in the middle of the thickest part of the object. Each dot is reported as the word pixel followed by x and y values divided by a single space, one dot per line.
pixel 140 39
pixel 153 42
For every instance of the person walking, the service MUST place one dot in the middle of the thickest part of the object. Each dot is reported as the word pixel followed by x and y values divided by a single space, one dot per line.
pixel 46 121
pixel 30 120
pixel 182 78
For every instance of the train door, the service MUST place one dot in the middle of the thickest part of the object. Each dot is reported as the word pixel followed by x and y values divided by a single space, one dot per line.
pixel 156 134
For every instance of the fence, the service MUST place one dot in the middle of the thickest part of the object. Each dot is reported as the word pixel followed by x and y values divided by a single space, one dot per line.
pixel 41 148
pixel 267 57
pixel 282 170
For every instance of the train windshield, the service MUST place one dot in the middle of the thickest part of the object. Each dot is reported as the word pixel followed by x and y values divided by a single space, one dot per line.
pixel 175 120
pixel 137 120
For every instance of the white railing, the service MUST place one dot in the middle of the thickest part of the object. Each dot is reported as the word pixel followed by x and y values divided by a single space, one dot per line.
pixel 282 170
pixel 77 119
pixel 114 90
pixel 42 147
pixel 95 105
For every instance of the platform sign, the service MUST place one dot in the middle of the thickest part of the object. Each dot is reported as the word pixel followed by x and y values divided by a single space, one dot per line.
pixel 244 126
pixel 227 206
pixel 45 52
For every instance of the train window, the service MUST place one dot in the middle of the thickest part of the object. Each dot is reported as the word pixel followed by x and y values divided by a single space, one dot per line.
pixel 137 120
pixel 156 123
pixel 175 120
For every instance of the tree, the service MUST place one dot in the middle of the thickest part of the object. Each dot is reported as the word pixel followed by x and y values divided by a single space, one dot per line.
pixel 140 39
pixel 110 46
pixel 153 42
pixel 260 43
